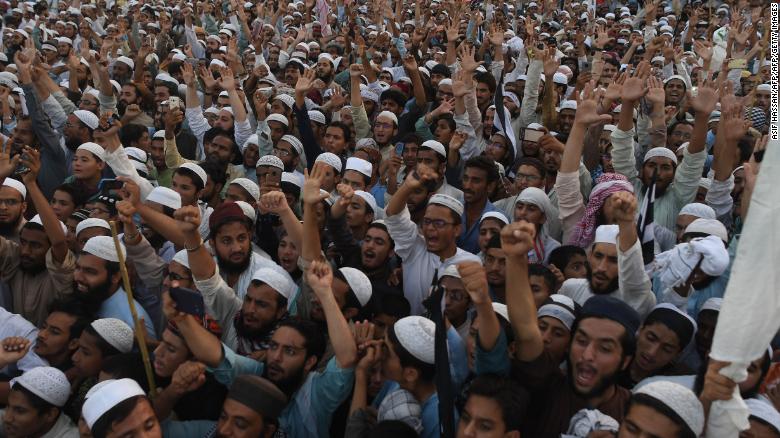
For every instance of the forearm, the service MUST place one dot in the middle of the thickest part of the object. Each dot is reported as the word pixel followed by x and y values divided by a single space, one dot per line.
pixel 521 308
pixel 164 225
pixel 51 223
pixel 204 346
pixel 344 348
pixel 398 202
pixel 311 249
pixel 628 235
pixel 360 392
pixel 488 326
pixel 573 150
pixel 164 402
pixel 699 134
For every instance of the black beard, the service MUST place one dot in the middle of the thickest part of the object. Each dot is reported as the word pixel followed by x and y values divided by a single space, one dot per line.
pixel 9 228
pixel 611 287
pixel 249 333
pixel 72 143
pixel 602 386
pixel 32 269
pixel 95 296
pixel 234 268
pixel 288 385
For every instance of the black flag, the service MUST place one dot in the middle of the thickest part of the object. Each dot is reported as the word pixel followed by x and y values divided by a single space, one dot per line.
pixel 645 224
pixel 442 379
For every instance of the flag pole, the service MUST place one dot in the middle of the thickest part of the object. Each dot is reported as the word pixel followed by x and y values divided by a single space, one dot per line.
pixel 140 329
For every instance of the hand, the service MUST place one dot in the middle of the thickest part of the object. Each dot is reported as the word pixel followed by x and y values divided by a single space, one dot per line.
pixel 188 377
pixel 372 356
pixel 312 184
pixel 305 82
pixel 496 35
pixel 623 206
pixel 453 32
pixel 410 64
pixel 172 118
pixel 587 113
pixel 345 194
pixel 635 87
pixel 226 79
pixel 207 77
pixel 475 281
pixel 337 99
pixel 705 100
pixel 188 74
pixel 273 202
pixel 7 164
pixel 457 141
pixel 549 143
pixel 73 60
pixel 445 107
pixel 261 105
pixel 615 88
pixel 420 176
pixel 550 63
pixel 188 219
pixel 459 88
pixel 13 349
pixel 125 211
pixel 355 70
pixel 467 62
pixel 362 332
pixel 130 191
pixel 320 278
pixel 132 111
pixel 655 93
pixel 32 161
pixel 517 239
pixel 716 385
pixel 733 123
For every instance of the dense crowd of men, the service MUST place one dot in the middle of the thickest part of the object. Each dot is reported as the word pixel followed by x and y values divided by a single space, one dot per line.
pixel 332 218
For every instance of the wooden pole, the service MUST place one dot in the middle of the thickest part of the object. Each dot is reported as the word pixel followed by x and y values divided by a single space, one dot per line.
pixel 140 329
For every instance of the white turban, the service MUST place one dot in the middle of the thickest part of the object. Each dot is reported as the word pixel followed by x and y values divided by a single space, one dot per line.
pixel 675 266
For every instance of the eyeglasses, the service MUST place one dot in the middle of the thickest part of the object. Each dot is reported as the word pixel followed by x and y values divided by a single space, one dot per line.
pixel 529 178
pixel 282 152
pixel 436 223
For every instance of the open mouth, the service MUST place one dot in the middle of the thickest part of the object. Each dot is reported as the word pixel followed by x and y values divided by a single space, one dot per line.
pixel 585 376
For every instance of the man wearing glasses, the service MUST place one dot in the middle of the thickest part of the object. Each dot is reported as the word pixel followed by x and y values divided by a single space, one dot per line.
pixel 433 245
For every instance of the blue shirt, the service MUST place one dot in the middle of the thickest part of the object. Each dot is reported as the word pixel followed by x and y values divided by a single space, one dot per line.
pixel 469 237
pixel 309 412
pixel 116 306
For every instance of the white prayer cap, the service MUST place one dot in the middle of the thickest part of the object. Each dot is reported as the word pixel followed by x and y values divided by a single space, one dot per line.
pixel 705 182
pixel 699 210
pixel 370 201
pixel 253 139
pixel 445 81
pixel 197 170
pixel 661 151
pixel 127 61
pixel 765 412
pixel 22 32
pixel 712 227
pixel 324 55
pixel 330 159
pixel 607 234
pixel 165 197
pixel 416 335
pixel 110 394
pixel 447 201
pixel 16 185
pixel 182 258
pixel 217 62
pixel 292 178
pixel 388 115
pixel 248 211
pixel 502 310
pixel 436 147
pixel 211 110
pixel 359 165
pixel 103 247
pixel 560 78
pixel 92 222
pixel 359 284
pixel 248 185
pixel 159 134
pixel 317 117
pixel 37 220
pixel 286 99
pixel 561 308
pixel 537 197
pixel 88 118
pixel 137 153
pixel 114 331
pixel 278 118
pixel 65 40
pixel 95 149
pixel 274 278
pixel 294 142
pixel 48 383
pixel 497 215
pixel 451 271
pixel 569 104
pixel 714 303
pixel 675 77
pixel 272 161
pixel 367 94
pixel 764 87
pixel 678 399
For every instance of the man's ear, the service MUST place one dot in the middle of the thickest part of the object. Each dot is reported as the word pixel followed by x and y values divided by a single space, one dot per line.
pixel 410 375
pixel 310 363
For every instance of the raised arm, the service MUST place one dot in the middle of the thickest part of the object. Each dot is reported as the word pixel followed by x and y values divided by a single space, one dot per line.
pixel 228 83
pixel 202 265
pixel 52 225
pixel 312 249
pixel 320 277
pixel 475 281
pixel 516 240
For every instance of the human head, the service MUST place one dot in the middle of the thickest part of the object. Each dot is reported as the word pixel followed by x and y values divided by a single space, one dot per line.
pixel 663 409
pixel 58 336
pixel 665 332
pixel 377 248
pixel 556 318
pixel 409 358
pixel 603 261
pixel 251 408
pixel 35 401
pixel 480 176
pixel 442 223
pixel 571 260
pixel 12 205
pixel 230 236
pixel 120 408
pixel 495 407
pixel 662 162
pixel 294 349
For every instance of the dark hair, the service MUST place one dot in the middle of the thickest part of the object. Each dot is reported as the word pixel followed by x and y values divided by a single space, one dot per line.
pixel 173 90
pixel 126 365
pixel 448 118
pixel 627 340
pixel 210 135
pixel 488 79
pixel 534 162
pixel 427 370
pixel 494 242
pixel 661 408
pixel 106 349
pixel 174 68
pixel 393 429
pixel 512 398
pixel 76 194
pixel 130 133
pixel 40 405
pixel 395 95
pixel 395 305
pixel 383 227
pixel 214 170
pixel 351 299
pixel 560 256
pixel 484 163
pixel 674 125
pixel 344 129
pixel 75 308
pixel 315 343
pixel 116 414
pixel 196 181
pixel 539 270
pixel 745 145
pixel 412 138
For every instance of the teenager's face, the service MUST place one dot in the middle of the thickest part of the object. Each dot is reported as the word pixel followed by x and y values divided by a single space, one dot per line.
pixel 596 355
pixel 481 418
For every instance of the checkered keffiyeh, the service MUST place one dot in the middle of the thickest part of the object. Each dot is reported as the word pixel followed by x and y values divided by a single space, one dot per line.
pixel 402 406
pixel 606 184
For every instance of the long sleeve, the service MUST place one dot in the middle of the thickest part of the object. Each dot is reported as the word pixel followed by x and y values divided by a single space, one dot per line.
pixel 531 94
pixel 634 284
pixel 469 148
pixel 404 233
pixel 719 197
pixel 119 162
pixel 686 178
pixel 67 106
pixel 150 266
pixel 623 154
pixel 571 207
pixel 52 107
pixel 474 115
pixel 173 158
pixel 242 131
pixel 361 123
pixel 53 161
pixel 220 300
pixel 197 50
pixel 311 148
pixel 265 147
pixel 197 122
